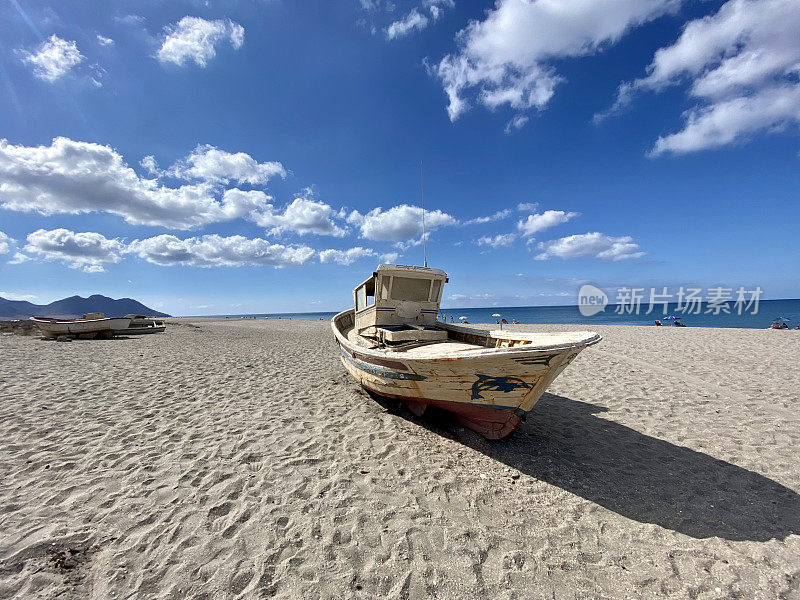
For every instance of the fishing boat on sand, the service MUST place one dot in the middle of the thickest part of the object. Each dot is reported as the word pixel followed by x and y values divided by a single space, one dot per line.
pixel 88 326
pixel 141 324
pixel 392 343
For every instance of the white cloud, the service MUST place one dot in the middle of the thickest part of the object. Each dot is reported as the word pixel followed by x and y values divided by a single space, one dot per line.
pixel 52 59
pixel 500 214
pixel 104 41
pixel 507 57
pixel 345 257
pixel 497 241
pixel 195 39
pixel 87 251
pixel 19 258
pixel 593 244
pixel 742 63
pixel 302 216
pixel 413 20
pixel 15 296
pixel 78 177
pixel 399 223
pixel 539 222
pixel 729 121
pixel 212 165
pixel 5 243
pixel 349 256
pixel 389 257
pixel 527 206
pixel 518 122
pixel 436 7
pixel 218 251
pixel 150 165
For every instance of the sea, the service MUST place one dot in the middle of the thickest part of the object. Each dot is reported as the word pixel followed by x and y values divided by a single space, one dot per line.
pixel 768 312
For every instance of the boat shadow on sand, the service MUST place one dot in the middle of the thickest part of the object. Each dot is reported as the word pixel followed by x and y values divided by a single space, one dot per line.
pixel 566 444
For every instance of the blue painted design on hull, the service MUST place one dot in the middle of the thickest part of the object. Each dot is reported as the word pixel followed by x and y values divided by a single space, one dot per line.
pixel 379 371
pixel 488 383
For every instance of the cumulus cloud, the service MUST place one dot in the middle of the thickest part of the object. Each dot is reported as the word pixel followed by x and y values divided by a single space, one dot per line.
pixel 497 241
pixel 88 251
pixel 389 257
pixel 218 251
pixel 19 258
pixel 78 177
pixel 5 243
pixel 53 59
pixel 507 58
pixel 399 223
pixel 104 41
pixel 150 165
pixel 539 222
pixel 345 257
pixel 193 39
pixel 592 244
pixel 742 64
pixel 349 256
pixel 302 216
pixel 207 163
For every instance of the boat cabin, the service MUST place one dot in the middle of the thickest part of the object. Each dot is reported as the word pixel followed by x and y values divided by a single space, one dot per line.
pixel 400 303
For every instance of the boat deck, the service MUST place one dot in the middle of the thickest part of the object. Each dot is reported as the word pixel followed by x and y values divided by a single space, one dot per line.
pixel 419 350
pixel 439 348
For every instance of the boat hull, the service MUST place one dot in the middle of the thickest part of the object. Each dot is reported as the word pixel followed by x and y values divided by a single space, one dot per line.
pixel 89 328
pixel 489 390
pixel 135 330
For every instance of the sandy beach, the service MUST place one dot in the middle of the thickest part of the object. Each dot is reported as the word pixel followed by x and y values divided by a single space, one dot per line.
pixel 237 459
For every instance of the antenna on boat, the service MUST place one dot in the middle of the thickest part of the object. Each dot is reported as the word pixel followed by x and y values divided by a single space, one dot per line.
pixel 422 194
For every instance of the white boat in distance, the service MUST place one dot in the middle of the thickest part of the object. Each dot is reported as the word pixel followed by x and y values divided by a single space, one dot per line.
pixel 141 324
pixel 88 326
pixel 393 344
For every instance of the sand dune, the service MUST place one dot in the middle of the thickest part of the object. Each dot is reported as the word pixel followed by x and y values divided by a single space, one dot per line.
pixel 237 459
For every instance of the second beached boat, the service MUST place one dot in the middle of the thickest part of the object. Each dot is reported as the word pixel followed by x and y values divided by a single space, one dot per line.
pixel 141 324
pixel 393 344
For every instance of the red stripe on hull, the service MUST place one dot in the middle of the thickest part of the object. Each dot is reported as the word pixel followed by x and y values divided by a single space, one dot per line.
pixel 491 423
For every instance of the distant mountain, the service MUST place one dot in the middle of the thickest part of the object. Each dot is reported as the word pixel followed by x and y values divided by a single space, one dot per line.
pixel 74 306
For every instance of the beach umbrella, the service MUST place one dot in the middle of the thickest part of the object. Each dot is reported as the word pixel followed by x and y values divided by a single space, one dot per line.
pixel 498 315
pixel 462 318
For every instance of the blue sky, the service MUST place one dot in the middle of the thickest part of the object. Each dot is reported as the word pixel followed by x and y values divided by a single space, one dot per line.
pixel 263 156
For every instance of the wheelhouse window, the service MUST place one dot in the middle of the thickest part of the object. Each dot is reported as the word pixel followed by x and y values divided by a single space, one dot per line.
pixel 411 289
pixel 384 285
pixel 365 295
pixel 435 289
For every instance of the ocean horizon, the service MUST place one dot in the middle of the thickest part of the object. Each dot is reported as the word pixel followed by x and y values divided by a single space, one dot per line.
pixel 768 311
